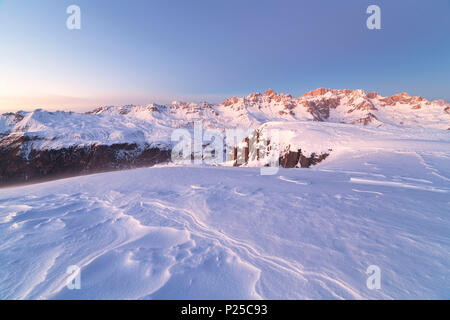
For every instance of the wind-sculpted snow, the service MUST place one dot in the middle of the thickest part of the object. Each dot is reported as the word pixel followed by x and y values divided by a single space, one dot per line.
pixel 380 198
pixel 224 232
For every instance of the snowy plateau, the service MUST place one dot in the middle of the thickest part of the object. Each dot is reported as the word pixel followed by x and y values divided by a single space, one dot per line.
pixel 380 198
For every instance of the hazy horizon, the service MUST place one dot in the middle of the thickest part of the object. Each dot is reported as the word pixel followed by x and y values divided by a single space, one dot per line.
pixel 84 105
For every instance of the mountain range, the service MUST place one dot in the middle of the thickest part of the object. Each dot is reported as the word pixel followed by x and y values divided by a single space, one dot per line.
pixel 37 144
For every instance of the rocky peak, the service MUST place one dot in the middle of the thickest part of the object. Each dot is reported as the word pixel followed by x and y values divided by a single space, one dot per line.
pixel 317 92
pixel 372 95
pixel 270 93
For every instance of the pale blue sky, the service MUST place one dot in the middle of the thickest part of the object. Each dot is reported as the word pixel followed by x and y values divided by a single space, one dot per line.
pixel 141 51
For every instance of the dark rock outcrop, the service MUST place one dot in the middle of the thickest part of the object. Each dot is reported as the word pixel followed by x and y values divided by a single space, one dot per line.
pixel 295 159
pixel 288 158
pixel 17 167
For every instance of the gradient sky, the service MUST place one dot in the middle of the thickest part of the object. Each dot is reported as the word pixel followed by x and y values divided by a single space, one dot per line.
pixel 141 51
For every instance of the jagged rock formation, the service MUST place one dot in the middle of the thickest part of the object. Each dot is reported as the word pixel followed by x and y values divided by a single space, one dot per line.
pixel 295 159
pixel 257 148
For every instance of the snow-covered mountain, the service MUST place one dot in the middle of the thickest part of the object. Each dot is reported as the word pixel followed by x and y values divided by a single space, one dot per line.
pixel 38 143
pixel 153 123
